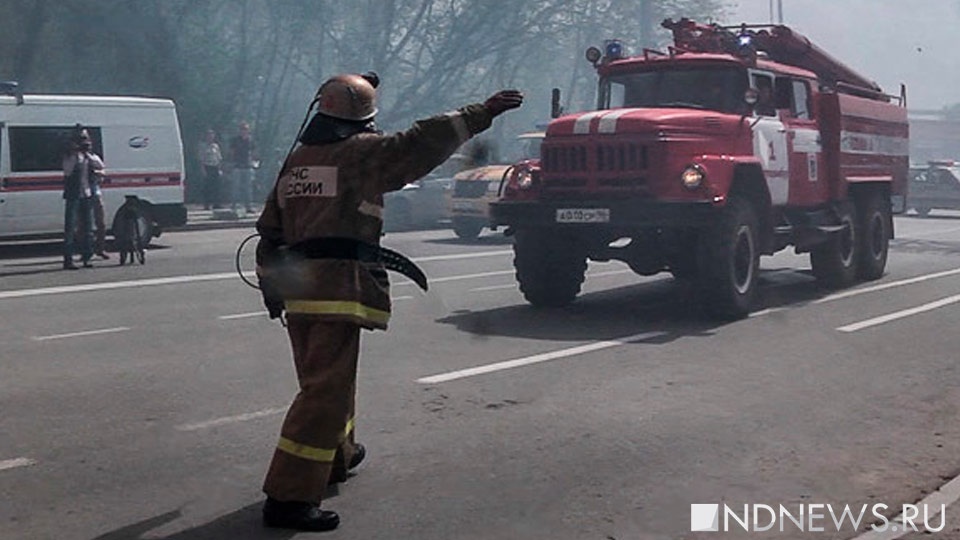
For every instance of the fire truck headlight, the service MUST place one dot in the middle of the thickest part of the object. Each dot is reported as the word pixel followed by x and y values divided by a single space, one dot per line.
pixel 693 176
pixel 525 180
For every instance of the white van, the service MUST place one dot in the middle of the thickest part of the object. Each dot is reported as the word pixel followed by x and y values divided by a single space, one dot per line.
pixel 139 139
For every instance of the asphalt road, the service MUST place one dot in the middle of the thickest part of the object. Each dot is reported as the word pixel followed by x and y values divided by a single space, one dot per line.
pixel 144 401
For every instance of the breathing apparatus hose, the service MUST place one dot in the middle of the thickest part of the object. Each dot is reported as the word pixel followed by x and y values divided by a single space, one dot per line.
pixel 237 260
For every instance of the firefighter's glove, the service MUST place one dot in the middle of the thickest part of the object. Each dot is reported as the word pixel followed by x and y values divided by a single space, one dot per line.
pixel 503 101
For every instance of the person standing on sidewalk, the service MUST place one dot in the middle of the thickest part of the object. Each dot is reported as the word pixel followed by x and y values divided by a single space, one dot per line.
pixel 242 157
pixel 79 165
pixel 210 158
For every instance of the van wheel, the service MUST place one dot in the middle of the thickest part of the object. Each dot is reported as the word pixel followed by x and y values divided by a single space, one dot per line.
pixel 922 211
pixel 467 230
pixel 550 270
pixel 835 261
pixel 729 261
pixel 874 242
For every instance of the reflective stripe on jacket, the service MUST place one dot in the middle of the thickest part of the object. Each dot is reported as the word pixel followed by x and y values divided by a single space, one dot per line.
pixel 336 190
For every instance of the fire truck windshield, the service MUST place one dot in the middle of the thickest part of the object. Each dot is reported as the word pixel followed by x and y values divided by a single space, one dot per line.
pixel 718 89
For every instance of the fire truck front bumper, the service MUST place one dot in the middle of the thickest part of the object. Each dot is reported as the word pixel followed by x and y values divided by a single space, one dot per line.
pixel 622 214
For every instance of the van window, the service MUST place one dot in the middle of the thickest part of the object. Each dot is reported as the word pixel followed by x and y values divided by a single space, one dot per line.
pixel 41 148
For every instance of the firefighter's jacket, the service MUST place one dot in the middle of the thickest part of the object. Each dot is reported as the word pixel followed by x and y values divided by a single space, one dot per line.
pixel 335 191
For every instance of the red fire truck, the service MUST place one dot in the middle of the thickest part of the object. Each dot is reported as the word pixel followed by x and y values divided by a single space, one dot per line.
pixel 737 142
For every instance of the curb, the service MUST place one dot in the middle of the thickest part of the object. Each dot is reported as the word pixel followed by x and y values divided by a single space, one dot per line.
pixel 214 225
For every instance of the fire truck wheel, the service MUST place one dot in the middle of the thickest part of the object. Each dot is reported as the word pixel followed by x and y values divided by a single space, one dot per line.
pixel 729 259
pixel 550 270
pixel 874 215
pixel 467 230
pixel 835 261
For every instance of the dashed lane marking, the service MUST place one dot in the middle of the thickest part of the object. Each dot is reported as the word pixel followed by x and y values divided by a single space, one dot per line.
pixel 16 463
pixel 243 315
pixel 83 334
pixel 231 419
pixel 902 314
pixel 536 359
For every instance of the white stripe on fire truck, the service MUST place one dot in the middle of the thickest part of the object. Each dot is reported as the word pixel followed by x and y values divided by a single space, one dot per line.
pixel 608 123
pixel 855 142
pixel 582 125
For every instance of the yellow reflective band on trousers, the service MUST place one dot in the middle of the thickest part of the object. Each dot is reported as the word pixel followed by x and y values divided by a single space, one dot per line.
pixel 327 307
pixel 323 455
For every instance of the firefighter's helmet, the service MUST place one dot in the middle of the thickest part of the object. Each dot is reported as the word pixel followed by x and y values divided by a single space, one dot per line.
pixel 348 97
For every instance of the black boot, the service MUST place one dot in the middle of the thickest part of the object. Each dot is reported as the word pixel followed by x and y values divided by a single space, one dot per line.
pixel 359 452
pixel 338 475
pixel 300 516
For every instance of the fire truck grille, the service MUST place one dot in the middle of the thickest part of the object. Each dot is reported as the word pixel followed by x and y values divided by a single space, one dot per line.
pixel 621 157
pixel 565 159
pixel 624 156
pixel 470 189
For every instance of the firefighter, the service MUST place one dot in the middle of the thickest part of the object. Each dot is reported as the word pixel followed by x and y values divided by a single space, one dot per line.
pixel 322 270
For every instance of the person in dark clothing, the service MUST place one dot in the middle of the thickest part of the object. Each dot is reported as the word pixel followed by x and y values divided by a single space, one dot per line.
pixel 243 160
pixel 80 165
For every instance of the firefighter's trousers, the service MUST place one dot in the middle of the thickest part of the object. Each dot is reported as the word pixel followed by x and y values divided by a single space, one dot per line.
pixel 317 434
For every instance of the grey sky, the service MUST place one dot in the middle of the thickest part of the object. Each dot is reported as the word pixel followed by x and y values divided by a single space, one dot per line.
pixel 889 41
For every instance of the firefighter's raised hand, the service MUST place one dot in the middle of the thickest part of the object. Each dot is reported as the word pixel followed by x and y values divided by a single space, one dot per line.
pixel 503 101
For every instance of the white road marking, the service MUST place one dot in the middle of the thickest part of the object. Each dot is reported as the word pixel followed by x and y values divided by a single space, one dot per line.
pixel 243 315
pixel 495 288
pixel 176 280
pixel 885 286
pixel 395 298
pixel 902 314
pixel 535 359
pixel 231 419
pixel 16 463
pixel 82 334
pixel 767 311
pixel 120 285
pixel 457 256
pixel 948 494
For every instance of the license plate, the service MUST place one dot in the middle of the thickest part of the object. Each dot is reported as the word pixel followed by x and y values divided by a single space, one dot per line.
pixel 583 215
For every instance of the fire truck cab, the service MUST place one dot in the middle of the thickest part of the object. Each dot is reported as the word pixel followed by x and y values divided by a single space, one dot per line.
pixel 737 142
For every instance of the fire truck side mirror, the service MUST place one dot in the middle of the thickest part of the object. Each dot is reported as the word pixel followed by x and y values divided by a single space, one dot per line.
pixel 556 111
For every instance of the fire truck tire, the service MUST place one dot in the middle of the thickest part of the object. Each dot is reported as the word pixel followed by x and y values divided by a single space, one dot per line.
pixel 729 261
pixel 835 261
pixel 549 269
pixel 467 230
pixel 874 216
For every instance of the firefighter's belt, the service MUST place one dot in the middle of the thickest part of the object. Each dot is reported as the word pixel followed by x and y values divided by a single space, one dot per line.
pixel 350 249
